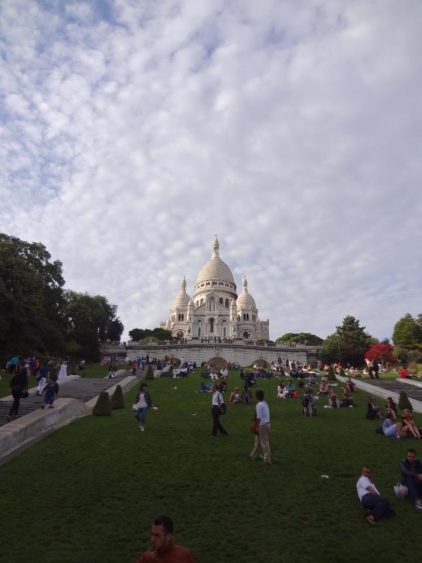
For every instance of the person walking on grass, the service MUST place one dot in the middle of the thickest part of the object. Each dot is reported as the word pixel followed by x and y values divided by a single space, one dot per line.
pixel 162 544
pixel 371 499
pixel 143 403
pixel 262 438
pixel 217 403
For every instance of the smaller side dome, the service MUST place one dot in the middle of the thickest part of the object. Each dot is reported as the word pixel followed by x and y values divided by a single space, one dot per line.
pixel 245 299
pixel 182 299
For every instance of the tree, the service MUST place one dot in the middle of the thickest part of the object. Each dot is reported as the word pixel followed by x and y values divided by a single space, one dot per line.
pixel 31 298
pixel 300 337
pixel 407 332
pixel 347 345
pixel 138 334
pixel 381 352
pixel 114 330
pixel 88 319
pixel 353 341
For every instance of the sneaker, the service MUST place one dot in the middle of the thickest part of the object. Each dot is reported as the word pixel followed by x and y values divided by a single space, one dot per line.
pixel 418 504
pixel 370 519
pixel 141 428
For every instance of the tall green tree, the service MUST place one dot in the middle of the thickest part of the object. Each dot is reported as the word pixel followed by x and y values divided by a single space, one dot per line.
pixel 347 345
pixel 407 332
pixel 88 320
pixel 138 334
pixel 31 298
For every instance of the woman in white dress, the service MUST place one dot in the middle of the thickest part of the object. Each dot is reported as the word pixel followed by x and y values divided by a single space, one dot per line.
pixel 63 371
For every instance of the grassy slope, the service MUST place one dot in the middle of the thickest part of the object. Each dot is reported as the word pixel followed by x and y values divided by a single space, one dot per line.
pixel 89 491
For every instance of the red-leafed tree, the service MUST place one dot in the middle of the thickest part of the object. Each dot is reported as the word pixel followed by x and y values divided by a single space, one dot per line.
pixel 381 352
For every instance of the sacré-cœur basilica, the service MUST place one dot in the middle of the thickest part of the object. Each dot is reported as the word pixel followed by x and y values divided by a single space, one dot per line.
pixel 217 322
pixel 215 311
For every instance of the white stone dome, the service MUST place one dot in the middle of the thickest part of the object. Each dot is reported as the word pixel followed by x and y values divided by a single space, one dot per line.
pixel 182 299
pixel 215 268
pixel 245 299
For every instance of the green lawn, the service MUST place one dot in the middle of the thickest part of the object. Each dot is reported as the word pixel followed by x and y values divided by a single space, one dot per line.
pixel 88 492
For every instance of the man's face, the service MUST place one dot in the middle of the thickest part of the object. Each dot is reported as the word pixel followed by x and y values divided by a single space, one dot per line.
pixel 366 472
pixel 411 457
pixel 159 539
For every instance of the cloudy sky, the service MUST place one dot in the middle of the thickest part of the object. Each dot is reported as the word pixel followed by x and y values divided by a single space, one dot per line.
pixel 131 132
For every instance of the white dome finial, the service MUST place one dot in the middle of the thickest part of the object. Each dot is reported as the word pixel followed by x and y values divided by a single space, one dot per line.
pixel 215 247
pixel 245 284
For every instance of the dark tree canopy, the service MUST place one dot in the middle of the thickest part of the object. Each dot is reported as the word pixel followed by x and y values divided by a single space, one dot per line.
pixel 348 344
pixel 31 297
pixel 407 332
pixel 300 337
pixel 138 334
pixel 38 316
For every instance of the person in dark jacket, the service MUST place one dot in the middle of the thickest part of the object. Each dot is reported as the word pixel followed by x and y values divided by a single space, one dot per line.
pixel 18 385
pixel 411 472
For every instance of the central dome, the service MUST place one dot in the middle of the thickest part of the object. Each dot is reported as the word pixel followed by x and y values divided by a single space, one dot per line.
pixel 215 268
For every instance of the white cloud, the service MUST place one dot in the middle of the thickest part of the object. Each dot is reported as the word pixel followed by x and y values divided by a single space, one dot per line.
pixel 128 138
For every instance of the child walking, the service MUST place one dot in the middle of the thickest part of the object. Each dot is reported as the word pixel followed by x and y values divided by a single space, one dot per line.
pixel 50 391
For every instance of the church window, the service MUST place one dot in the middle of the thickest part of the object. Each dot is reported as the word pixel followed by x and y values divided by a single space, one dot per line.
pixel 181 317
pixel 227 302
pixel 199 331
pixel 245 316
pixel 221 283
pixel 238 317
pixel 227 285
pixel 214 283
pixel 208 283
pixel 224 331
pixel 202 284
pixel 221 300
pixel 197 303
pixel 212 304
pixel 202 301
pixel 211 325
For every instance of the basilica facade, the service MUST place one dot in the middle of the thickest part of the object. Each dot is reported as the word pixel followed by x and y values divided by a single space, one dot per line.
pixel 215 310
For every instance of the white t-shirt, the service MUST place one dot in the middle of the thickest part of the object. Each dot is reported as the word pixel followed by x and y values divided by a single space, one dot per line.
pixel 362 486
pixel 217 399
pixel 142 402
pixel 263 412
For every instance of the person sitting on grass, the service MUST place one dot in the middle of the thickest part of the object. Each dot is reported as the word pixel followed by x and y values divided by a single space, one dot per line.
pixel 392 429
pixel 234 396
pixel 411 473
pixel 371 499
pixel 350 385
pixel 391 408
pixel 373 411
pixel 323 388
pixel 282 391
pixel 332 399
pixel 409 424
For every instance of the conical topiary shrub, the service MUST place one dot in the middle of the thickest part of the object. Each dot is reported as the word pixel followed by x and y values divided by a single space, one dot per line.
pixel 404 402
pixel 103 405
pixel 150 373
pixel 117 398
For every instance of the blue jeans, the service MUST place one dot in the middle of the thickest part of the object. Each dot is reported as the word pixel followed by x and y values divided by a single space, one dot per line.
pixel 141 415
pixel 389 428
pixel 379 505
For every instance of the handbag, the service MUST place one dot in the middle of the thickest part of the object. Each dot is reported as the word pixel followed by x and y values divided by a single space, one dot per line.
pixel 24 394
pixel 254 426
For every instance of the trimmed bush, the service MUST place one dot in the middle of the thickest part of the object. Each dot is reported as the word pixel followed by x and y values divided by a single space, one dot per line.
pixel 103 405
pixel 404 402
pixel 117 398
pixel 150 373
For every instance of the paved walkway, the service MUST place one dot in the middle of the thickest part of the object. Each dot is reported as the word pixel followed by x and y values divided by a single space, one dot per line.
pixel 77 397
pixel 391 388
pixel 74 387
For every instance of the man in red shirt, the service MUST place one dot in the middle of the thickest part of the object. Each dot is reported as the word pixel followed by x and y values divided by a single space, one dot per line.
pixel 163 547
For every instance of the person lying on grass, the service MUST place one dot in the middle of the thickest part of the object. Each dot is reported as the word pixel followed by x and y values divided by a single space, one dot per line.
pixel 371 499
